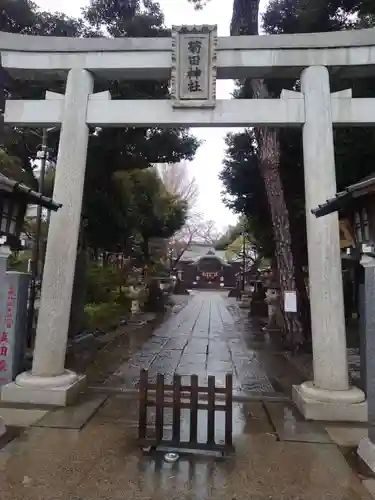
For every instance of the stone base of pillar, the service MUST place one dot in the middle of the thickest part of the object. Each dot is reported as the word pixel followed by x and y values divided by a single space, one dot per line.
pixel 57 391
pixel 366 450
pixel 331 406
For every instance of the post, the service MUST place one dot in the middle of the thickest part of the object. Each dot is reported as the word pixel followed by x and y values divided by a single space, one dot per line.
pixel 36 246
pixel 366 449
pixel 53 322
pixel 243 260
pixel 331 381
pixel 4 254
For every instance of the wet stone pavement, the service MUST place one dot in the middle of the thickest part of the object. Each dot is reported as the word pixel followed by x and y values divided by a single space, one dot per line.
pixel 212 336
pixel 89 451
pixel 103 462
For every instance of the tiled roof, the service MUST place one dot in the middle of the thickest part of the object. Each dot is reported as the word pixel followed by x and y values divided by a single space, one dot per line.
pixel 343 197
pixel 197 251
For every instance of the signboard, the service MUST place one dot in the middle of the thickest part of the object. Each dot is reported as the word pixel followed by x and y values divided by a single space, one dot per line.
pixel 13 331
pixel 5 347
pixel 194 66
pixel 210 275
pixel 290 302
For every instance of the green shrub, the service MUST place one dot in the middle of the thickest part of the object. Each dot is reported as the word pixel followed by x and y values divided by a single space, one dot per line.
pixel 104 316
pixel 103 283
pixel 18 261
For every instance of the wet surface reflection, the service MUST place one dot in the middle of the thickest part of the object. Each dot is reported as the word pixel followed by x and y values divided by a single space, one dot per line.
pixel 211 336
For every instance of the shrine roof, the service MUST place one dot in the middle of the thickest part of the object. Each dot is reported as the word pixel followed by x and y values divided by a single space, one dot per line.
pixel 342 198
pixel 11 186
pixel 197 251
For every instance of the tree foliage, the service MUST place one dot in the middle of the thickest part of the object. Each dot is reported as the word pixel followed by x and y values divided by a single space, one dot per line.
pixel 244 190
pixel 354 148
pixel 199 4
pixel 230 235
pixel 118 198
pixel 307 16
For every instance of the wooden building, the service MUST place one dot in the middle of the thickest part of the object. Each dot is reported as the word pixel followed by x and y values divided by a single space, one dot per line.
pixel 204 268
pixel 356 208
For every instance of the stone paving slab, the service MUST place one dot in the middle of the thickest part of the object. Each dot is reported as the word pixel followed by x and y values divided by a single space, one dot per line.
pixel 74 417
pixel 346 436
pixel 20 417
pixel 290 426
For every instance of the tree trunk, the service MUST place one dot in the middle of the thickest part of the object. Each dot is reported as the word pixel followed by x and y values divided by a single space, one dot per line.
pixel 269 165
pixel 146 249
pixel 245 22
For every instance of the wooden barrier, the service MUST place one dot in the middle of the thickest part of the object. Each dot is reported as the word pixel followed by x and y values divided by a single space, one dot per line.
pixel 184 397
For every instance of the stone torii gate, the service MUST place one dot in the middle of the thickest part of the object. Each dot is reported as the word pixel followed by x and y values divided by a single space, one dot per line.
pixel 311 57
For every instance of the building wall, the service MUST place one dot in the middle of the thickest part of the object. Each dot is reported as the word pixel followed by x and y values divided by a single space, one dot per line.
pixel 209 273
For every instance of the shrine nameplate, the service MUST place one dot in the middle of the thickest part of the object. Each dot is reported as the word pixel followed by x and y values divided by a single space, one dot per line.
pixel 194 66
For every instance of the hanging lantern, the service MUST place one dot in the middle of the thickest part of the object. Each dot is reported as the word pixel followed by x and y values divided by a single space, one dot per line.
pixel 12 214
pixel 14 199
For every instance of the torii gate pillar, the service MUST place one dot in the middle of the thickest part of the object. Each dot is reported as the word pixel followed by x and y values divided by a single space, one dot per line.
pixel 329 396
pixel 49 382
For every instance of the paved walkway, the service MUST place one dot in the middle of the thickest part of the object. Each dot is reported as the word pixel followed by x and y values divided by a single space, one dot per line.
pixel 89 451
pixel 103 462
pixel 211 336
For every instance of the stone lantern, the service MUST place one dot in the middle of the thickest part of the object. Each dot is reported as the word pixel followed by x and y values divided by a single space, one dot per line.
pixel 273 301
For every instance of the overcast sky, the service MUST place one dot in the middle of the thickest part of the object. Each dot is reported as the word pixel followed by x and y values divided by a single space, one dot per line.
pixel 207 164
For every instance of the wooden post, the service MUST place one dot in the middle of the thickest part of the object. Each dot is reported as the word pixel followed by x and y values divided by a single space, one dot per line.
pixel 211 411
pixel 229 410
pixel 142 425
pixel 176 429
pixel 194 410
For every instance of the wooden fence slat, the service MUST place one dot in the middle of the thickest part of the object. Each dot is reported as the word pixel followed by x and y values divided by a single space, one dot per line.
pixel 211 411
pixel 159 417
pixel 185 389
pixel 176 427
pixel 229 410
pixel 193 409
pixel 187 405
pixel 142 424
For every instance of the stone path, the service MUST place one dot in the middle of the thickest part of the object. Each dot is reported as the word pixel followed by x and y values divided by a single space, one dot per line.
pixel 89 450
pixel 211 336
pixel 103 462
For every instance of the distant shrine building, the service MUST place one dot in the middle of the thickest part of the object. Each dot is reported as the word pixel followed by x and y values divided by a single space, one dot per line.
pixel 205 268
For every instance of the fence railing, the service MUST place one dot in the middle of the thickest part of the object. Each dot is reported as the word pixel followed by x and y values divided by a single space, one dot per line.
pixel 178 397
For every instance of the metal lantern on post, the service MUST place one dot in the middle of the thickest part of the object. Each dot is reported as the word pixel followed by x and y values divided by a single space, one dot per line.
pixel 12 214
pixel 14 199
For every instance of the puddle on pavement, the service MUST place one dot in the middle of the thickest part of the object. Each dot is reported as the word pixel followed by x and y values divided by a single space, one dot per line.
pixel 248 419
pixel 198 474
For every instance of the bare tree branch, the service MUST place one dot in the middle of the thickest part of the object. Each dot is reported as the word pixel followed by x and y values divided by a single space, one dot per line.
pixel 209 233
pixel 178 182
pixel 182 240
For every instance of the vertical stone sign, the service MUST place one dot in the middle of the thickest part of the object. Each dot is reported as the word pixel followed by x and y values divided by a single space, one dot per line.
pixel 6 372
pixel 194 66
pixel 13 331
